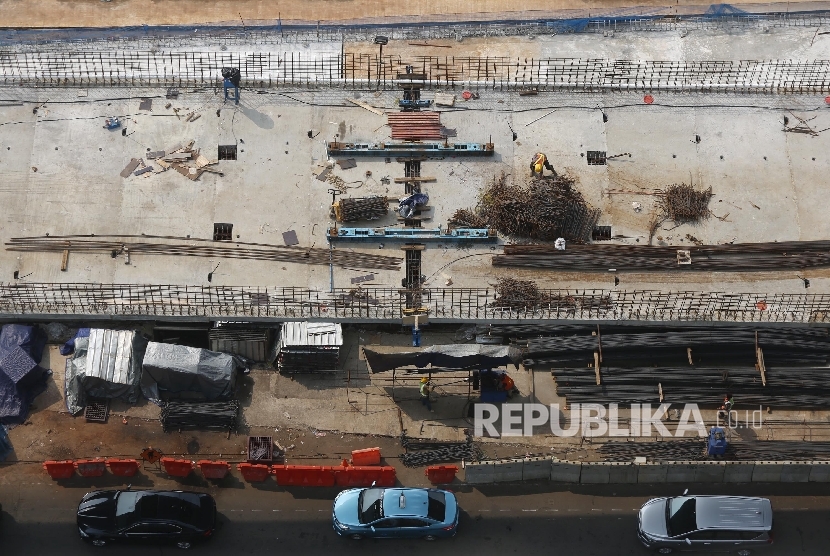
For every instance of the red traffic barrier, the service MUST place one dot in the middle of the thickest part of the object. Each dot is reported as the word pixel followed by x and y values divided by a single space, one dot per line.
pixel 214 469
pixel 177 467
pixel 91 467
pixel 59 469
pixel 123 467
pixel 304 475
pixel 369 456
pixel 363 476
pixel 441 474
pixel 254 472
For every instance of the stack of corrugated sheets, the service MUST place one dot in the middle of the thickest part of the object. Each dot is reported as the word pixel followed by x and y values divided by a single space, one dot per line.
pixel 415 125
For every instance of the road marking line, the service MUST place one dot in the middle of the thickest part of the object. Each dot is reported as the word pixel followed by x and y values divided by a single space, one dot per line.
pixel 300 510
pixel 237 510
pixel 595 510
pixel 551 510
pixel 256 510
pixel 572 510
pixel 616 510
pixel 274 510
pixel 528 510
pixel 504 510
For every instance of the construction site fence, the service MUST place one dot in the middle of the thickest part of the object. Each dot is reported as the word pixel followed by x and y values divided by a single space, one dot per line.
pixel 528 23
pixel 134 301
pixel 369 71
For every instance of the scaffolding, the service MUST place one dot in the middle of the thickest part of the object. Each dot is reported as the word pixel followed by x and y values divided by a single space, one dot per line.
pixel 140 301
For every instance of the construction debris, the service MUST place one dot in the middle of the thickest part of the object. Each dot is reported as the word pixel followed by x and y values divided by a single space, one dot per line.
pixel 683 204
pixel 365 106
pixel 547 209
pixel 355 209
pixel 444 99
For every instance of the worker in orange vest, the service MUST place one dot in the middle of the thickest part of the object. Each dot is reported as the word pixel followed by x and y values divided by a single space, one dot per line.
pixel 538 163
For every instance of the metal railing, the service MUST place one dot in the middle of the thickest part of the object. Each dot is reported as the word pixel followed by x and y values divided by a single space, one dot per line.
pixel 40 300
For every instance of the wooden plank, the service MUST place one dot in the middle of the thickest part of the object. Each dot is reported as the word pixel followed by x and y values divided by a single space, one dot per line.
pixel 366 107
pixel 689 354
pixel 596 367
pixel 660 390
pixel 128 170
pixel 64 260
pixel 414 179
pixel 599 343
pixel 759 356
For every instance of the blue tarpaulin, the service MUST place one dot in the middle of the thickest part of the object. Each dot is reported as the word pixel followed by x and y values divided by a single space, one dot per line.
pixel 21 378
pixel 69 347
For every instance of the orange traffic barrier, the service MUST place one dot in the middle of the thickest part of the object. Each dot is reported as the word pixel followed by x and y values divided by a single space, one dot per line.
pixel 441 474
pixel 369 456
pixel 177 467
pixel 254 473
pixel 214 469
pixel 123 467
pixel 363 476
pixel 59 469
pixel 91 467
pixel 304 475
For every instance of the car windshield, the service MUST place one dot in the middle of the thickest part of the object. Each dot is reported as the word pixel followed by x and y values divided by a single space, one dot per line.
pixel 437 509
pixel 125 507
pixel 680 516
pixel 370 503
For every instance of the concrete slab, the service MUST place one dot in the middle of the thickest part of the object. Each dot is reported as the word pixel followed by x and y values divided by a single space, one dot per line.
pixel 648 473
pixel 623 473
pixel 767 472
pixel 595 472
pixel 565 471
pixel 536 468
pixel 479 473
pixel 796 472
pixel 738 472
pixel 681 472
pixel 820 472
pixel 507 471
pixel 709 472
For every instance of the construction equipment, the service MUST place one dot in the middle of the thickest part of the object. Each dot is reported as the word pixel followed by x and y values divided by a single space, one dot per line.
pixel 717 443
pixel 112 123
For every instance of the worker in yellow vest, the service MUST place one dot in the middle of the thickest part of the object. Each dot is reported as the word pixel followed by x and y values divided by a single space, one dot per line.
pixel 538 163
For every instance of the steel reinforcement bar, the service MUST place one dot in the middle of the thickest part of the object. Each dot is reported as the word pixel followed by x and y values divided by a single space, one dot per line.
pixel 275 69
pixel 42 300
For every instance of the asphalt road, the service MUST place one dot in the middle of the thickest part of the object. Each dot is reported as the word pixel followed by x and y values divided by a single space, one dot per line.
pixel 38 518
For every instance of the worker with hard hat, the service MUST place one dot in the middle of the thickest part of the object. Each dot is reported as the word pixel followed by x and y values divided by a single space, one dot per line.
pixel 538 163
pixel 425 388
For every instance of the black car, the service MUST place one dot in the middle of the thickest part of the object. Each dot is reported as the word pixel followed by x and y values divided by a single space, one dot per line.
pixel 183 518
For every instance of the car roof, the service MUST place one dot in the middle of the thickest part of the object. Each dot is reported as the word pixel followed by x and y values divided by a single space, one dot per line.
pixel 733 512
pixel 416 502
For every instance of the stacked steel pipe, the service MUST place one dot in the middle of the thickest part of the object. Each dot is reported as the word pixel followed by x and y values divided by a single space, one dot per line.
pixel 742 257
pixel 412 126
pixel 690 450
pixel 219 416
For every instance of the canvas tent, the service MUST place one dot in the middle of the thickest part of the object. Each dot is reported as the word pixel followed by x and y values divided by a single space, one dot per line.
pixel 21 377
pixel 186 373
pixel 105 365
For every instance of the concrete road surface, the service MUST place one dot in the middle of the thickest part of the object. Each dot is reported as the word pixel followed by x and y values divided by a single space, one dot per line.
pixel 39 518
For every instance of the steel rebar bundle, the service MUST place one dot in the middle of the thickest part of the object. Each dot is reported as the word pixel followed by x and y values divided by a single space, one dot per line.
pixel 425 452
pixel 355 209
pixel 220 416
pixel 787 387
pixel 198 247
pixel 745 257
pixel 525 294
pixel 548 208
pixel 693 450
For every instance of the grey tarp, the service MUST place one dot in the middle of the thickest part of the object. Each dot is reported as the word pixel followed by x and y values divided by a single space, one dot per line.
pixel 181 372
pixel 460 356
pixel 21 378
pixel 107 365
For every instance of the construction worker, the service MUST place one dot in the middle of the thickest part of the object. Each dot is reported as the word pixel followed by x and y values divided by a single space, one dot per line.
pixel 725 411
pixel 425 388
pixel 232 77
pixel 538 163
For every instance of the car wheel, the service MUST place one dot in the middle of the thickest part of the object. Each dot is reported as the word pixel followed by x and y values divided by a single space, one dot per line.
pixel 184 544
pixel 430 538
pixel 356 537
pixel 98 542
pixel 665 550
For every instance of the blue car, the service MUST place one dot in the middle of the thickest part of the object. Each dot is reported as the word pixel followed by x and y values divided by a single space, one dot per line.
pixel 395 513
